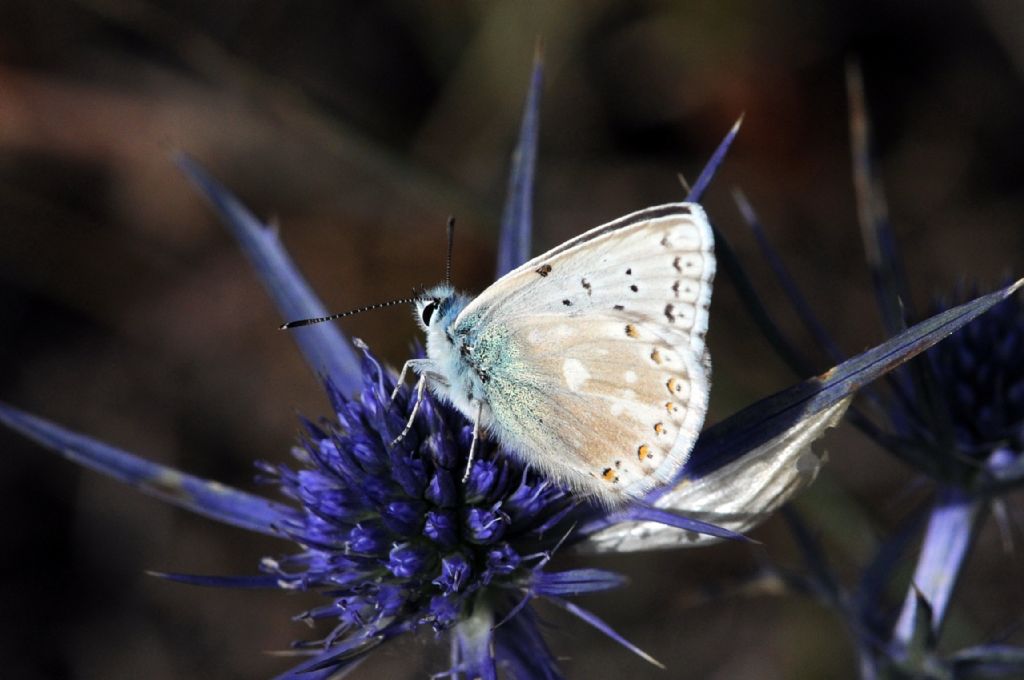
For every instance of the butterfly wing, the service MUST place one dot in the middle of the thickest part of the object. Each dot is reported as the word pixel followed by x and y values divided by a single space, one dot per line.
pixel 609 406
pixel 657 263
pixel 594 355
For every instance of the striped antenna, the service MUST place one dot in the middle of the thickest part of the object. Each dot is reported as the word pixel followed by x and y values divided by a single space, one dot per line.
pixel 448 260
pixel 332 317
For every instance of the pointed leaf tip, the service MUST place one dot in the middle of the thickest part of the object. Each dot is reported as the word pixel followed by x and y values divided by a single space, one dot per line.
pixel 257 582
pixel 739 197
pixel 601 625
pixel 514 242
pixel 708 173
pixel 738 124
pixel 324 346
pixel 736 435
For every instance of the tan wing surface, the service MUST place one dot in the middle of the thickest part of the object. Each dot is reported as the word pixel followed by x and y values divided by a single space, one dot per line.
pixel 605 404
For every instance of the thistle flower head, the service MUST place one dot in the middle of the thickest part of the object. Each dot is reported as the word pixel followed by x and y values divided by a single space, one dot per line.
pixel 958 412
pixel 980 375
pixel 393 536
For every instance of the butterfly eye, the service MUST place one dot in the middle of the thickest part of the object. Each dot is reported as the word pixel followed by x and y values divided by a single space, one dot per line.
pixel 428 312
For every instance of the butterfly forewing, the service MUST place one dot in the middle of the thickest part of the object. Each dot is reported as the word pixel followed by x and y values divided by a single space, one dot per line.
pixel 657 263
pixel 595 357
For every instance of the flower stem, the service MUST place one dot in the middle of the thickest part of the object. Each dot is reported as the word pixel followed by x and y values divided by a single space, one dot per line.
pixel 951 529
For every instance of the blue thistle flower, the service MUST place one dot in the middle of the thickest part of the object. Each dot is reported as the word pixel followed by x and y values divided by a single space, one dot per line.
pixel 394 539
pixel 952 410
pixel 977 405
pixel 956 414
pixel 397 541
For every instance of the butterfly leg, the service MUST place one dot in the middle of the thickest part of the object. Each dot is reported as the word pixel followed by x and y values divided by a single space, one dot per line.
pixel 476 436
pixel 414 364
pixel 421 384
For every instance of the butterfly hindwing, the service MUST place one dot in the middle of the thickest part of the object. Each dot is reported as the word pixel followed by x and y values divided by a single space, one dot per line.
pixel 594 355
pixel 607 405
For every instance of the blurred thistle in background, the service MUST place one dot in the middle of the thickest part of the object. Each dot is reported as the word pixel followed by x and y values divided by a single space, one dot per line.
pixel 957 415
pixel 130 316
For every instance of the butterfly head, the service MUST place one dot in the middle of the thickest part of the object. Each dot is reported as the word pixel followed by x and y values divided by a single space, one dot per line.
pixel 437 307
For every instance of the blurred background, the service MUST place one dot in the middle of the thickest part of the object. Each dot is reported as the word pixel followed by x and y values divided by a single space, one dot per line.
pixel 129 314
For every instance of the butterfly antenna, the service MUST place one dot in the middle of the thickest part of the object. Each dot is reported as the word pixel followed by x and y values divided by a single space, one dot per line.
pixel 332 317
pixel 451 241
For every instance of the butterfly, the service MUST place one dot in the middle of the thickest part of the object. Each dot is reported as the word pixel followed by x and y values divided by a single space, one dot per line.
pixel 589 361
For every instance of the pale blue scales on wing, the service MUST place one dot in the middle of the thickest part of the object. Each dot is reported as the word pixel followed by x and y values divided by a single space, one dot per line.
pixel 588 361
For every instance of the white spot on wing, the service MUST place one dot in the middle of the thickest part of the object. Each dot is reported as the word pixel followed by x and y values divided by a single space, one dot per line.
pixel 685 239
pixel 630 377
pixel 575 374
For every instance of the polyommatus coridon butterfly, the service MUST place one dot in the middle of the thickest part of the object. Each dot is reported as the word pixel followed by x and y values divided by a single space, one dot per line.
pixel 588 361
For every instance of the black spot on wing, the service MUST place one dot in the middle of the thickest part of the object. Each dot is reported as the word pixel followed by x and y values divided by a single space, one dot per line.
pixel 543 270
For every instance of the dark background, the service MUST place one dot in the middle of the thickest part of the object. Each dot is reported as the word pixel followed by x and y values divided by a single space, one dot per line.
pixel 128 313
